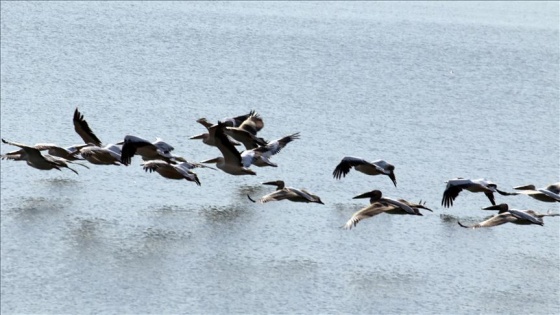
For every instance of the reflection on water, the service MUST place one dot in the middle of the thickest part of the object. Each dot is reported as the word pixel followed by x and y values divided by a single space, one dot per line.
pixel 221 214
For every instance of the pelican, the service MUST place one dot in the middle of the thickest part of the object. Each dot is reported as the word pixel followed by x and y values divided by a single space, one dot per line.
pixel 377 206
pixel 231 160
pixel 456 185
pixel 69 153
pixel 158 149
pixel 260 156
pixel 246 133
pixel 289 193
pixel 35 159
pixel 378 167
pixel 550 193
pixel 208 138
pixel 172 171
pixel 377 196
pixel 506 215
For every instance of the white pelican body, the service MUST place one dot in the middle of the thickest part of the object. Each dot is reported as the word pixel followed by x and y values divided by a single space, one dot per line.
pixel 246 132
pixel 550 193
pixel 506 215
pixel 172 171
pixel 455 186
pixel 378 167
pixel 208 138
pixel 288 193
pixel 260 156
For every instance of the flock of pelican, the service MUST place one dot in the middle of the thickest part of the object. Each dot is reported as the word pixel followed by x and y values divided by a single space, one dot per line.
pixel 229 133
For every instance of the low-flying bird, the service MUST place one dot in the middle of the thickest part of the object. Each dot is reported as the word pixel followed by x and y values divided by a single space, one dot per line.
pixel 157 150
pixel 378 167
pixel 456 185
pixel 173 171
pixel 550 193
pixel 507 215
pixel 230 162
pixel 288 193
pixel 35 159
pixel 379 205
pixel 260 156
pixel 69 153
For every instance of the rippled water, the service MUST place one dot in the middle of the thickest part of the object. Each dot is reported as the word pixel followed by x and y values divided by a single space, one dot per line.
pixel 440 89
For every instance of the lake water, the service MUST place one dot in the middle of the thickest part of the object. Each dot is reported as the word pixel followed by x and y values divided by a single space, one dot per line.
pixel 439 89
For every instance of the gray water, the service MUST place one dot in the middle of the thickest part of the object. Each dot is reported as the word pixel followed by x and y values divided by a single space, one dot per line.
pixel 439 89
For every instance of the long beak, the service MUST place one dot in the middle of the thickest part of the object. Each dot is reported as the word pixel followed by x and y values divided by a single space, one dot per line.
pixel 214 160
pixel 364 195
pixel 393 178
pixel 320 202
pixel 200 136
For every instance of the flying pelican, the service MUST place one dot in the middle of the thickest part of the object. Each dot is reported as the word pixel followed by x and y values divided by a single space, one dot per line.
pixel 550 193
pixel 260 156
pixel 35 159
pixel 289 193
pixel 172 171
pixel 148 150
pixel 506 215
pixel 231 160
pixel 456 185
pixel 246 133
pixel 208 138
pixel 69 153
pixel 380 205
pixel 378 167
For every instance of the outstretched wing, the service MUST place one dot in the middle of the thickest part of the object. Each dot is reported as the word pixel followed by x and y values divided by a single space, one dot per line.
pixel 84 131
pixel 346 164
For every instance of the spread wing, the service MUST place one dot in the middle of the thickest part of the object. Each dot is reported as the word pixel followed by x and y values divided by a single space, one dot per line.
pixel 346 164
pixel 84 131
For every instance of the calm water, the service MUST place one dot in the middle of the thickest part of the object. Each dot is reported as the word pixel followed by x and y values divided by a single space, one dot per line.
pixel 440 89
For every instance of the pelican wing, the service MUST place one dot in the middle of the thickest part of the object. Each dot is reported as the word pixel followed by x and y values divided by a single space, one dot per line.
pixel 276 195
pixel 523 215
pixel 452 190
pixel 496 220
pixel 249 140
pixel 230 153
pixel 252 124
pixel 84 131
pixel 236 121
pixel 274 147
pixel 131 145
pixel 343 168
pixel 367 212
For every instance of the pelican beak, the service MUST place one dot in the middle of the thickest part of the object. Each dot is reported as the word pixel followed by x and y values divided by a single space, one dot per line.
pixel 364 195
pixel 496 207
pixel 200 136
pixel 214 160
pixel 273 183
pixel 320 202
pixel 393 178
pixel 119 143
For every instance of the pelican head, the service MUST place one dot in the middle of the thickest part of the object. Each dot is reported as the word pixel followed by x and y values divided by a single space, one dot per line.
pixel 278 183
pixel 374 195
